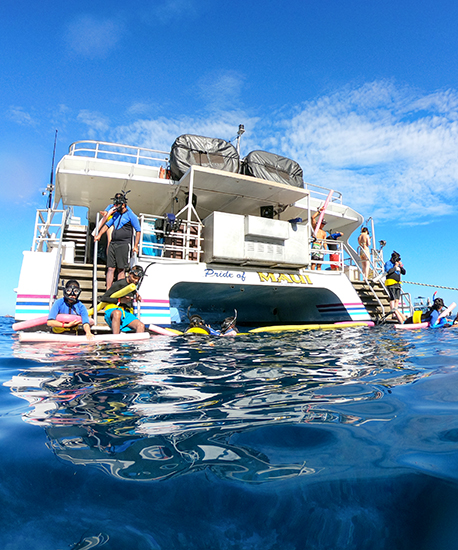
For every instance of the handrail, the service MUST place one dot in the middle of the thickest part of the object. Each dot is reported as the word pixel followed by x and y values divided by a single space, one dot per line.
pixel 153 241
pixel 327 251
pixel 95 270
pixel 142 155
pixel 116 151
pixel 322 192
pixel 353 255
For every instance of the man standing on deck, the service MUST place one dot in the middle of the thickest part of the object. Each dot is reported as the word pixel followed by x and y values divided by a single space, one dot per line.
pixel 123 221
pixel 394 269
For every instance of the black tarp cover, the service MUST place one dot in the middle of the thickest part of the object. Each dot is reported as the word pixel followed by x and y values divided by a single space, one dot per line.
pixel 189 150
pixel 272 167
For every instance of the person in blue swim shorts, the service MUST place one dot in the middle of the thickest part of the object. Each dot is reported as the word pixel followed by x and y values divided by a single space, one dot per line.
pixel 119 314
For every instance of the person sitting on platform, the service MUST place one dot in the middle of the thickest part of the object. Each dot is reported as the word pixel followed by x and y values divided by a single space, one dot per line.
pixel 70 305
pixel 119 314
pixel 431 316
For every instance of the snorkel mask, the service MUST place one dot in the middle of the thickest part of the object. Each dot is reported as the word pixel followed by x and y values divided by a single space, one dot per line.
pixel 72 291
pixel 229 322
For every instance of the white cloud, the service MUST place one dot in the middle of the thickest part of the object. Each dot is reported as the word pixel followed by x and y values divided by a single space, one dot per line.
pixel 167 11
pixel 93 38
pixel 21 116
pixel 390 150
pixel 221 90
pixel 97 124
pixel 162 132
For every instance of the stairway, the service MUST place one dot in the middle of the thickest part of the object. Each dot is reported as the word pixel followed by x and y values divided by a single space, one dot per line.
pixel 76 233
pixel 364 291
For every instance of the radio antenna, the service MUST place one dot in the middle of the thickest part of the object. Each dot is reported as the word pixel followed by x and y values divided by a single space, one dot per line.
pixel 50 187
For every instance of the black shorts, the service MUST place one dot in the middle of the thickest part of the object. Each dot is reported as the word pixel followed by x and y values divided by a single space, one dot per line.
pixel 118 255
pixel 394 292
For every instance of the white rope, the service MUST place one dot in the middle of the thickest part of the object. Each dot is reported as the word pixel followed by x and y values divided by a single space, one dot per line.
pixel 432 286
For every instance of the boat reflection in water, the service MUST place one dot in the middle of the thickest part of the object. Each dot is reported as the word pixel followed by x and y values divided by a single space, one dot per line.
pixel 337 426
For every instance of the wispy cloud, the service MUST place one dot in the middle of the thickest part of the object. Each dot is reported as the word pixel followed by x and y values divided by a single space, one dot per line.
pixel 91 37
pixel 167 11
pixel 97 124
pixel 162 132
pixel 21 116
pixel 390 150
pixel 221 90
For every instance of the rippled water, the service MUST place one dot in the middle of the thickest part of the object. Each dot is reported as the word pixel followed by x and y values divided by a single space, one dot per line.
pixel 316 440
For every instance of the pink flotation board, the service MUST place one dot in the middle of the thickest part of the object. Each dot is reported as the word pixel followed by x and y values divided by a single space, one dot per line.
pixel 37 321
pixel 412 326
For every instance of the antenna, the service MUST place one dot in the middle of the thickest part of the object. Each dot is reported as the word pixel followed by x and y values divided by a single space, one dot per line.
pixel 240 132
pixel 50 186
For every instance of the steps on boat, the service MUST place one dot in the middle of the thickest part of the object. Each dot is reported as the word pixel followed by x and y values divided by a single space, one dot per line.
pixel 78 234
pixel 366 292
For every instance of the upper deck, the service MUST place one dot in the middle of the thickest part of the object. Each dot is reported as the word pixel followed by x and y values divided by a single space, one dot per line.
pixel 92 172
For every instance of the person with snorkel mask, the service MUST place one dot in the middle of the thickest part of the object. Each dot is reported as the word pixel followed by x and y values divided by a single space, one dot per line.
pixel 394 269
pixel 124 222
pixel 70 305
pixel 431 316
pixel 119 313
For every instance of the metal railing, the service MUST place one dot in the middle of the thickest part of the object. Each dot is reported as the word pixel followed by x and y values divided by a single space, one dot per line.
pixel 122 153
pixel 319 192
pixel 322 249
pixel 47 232
pixel 45 240
pixel 167 237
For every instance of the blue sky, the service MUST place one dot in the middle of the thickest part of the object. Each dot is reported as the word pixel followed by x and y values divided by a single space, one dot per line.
pixel 362 93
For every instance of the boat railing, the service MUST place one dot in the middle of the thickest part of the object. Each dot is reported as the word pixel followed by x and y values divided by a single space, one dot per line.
pixel 353 267
pixel 321 248
pixel 123 153
pixel 48 235
pixel 154 157
pixel 169 238
pixel 49 229
pixel 321 193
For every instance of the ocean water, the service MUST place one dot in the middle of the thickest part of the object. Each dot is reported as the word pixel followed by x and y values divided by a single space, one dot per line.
pixel 344 439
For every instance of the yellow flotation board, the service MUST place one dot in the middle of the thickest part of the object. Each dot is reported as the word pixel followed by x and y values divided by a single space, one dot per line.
pixel 289 328
pixel 118 294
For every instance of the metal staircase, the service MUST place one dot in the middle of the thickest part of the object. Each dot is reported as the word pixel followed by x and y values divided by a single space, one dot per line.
pixel 76 233
pixel 374 297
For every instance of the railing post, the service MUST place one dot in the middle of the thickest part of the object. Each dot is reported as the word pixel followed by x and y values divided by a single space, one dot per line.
pixel 94 270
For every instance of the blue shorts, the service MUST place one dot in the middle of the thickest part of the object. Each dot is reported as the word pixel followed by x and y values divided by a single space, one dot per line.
pixel 126 319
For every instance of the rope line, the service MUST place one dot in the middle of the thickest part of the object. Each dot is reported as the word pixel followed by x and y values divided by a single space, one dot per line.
pixel 432 286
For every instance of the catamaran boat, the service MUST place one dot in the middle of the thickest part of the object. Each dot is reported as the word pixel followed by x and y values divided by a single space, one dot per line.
pixel 218 233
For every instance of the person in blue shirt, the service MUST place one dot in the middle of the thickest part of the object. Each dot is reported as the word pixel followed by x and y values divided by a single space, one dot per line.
pixel 124 222
pixel 70 305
